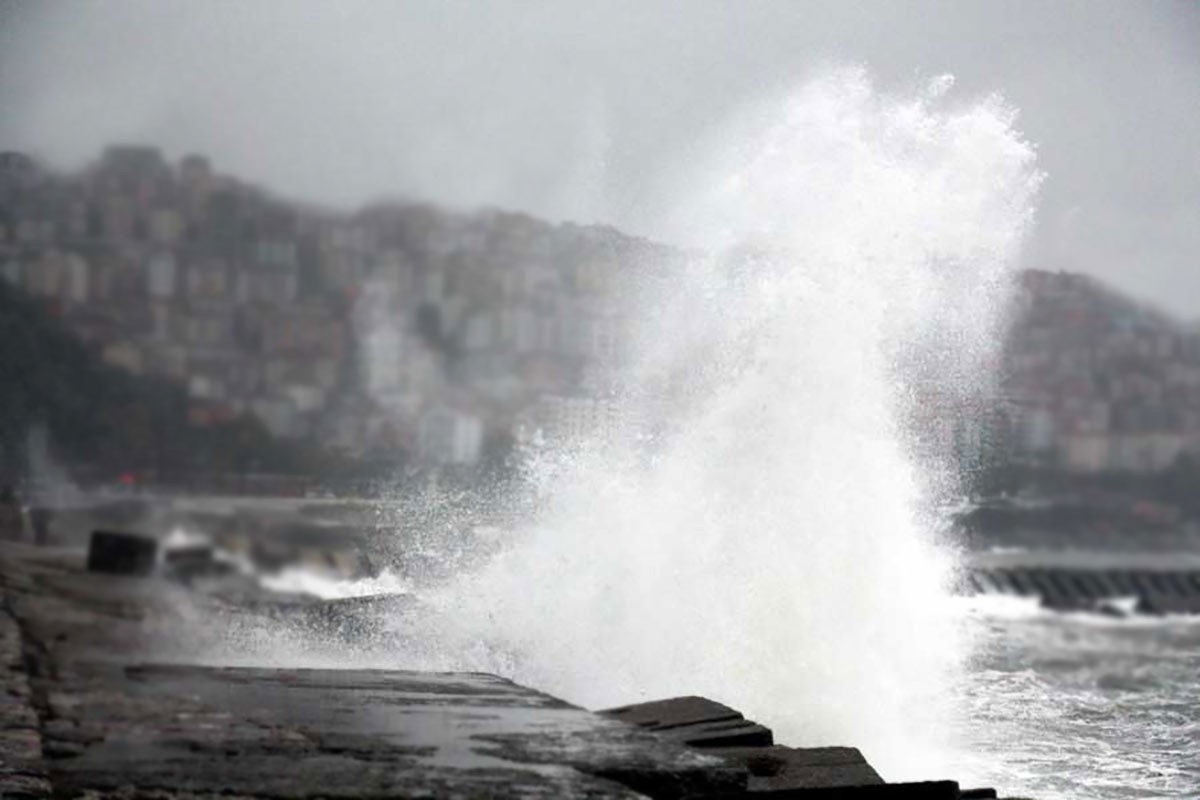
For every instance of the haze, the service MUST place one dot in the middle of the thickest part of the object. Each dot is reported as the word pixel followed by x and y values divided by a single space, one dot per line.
pixel 591 112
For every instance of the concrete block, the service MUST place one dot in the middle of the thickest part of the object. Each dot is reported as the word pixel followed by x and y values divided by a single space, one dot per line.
pixel 696 722
pixel 1152 602
pixel 774 768
pixel 673 712
pixel 187 562
pixel 735 733
pixel 121 553
pixel 928 790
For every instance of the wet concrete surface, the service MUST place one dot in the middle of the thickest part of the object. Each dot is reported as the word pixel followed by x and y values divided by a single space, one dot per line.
pixel 86 715
pixel 114 689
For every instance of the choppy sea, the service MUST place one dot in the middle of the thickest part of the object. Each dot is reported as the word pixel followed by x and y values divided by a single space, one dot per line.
pixel 1084 706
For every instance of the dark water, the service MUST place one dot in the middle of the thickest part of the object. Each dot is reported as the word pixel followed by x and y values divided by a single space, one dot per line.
pixel 1085 707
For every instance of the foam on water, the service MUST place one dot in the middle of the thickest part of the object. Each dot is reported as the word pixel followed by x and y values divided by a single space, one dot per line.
pixel 305 580
pixel 769 548
pixel 1080 705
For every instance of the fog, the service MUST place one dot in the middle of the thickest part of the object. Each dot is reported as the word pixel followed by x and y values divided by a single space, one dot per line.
pixel 592 112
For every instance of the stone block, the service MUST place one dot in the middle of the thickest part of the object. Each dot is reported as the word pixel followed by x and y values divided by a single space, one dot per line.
pixel 191 561
pixel 773 768
pixel 674 712
pixel 735 733
pixel 927 790
pixel 696 722
pixel 1158 602
pixel 121 553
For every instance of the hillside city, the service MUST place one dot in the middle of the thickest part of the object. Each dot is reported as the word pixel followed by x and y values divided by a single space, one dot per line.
pixel 1097 382
pixel 402 328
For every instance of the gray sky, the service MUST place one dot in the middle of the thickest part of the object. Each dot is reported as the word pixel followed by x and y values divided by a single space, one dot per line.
pixel 576 110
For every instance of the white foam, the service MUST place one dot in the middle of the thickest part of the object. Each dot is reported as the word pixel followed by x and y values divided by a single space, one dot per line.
pixel 327 586
pixel 1116 612
pixel 1003 606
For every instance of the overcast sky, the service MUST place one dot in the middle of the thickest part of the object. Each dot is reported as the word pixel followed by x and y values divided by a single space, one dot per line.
pixel 577 110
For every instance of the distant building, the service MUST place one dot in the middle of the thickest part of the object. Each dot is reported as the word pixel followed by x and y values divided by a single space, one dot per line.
pixel 1036 431
pixel 1086 453
pixel 447 436
pixel 125 355
pixel 162 271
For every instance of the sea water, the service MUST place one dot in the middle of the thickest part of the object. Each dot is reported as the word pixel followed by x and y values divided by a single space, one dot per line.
pixel 1059 706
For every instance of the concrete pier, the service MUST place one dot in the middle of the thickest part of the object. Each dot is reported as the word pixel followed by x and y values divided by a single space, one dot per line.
pixel 95 706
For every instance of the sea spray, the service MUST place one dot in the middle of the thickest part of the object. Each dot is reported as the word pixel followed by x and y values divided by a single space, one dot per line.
pixel 757 532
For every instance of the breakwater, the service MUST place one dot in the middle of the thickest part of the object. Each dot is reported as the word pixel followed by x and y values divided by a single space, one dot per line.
pixel 1113 583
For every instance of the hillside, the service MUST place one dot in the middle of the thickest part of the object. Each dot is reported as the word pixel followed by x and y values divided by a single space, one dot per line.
pixel 1099 382
pixel 106 422
pixel 396 331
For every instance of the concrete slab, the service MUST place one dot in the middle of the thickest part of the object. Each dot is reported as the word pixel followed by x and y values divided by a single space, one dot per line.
pixel 112 726
pixel 352 733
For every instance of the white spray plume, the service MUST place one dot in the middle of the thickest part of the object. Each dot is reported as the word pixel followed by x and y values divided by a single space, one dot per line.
pixel 773 553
